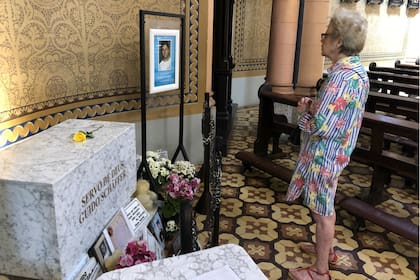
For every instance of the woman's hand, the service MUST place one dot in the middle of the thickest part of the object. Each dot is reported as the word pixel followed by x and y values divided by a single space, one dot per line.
pixel 304 104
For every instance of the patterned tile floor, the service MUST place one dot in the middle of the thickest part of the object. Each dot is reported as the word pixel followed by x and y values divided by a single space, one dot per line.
pixel 255 215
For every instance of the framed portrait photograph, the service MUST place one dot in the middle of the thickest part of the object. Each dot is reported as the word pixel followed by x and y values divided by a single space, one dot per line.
pixel 164 60
pixel 101 251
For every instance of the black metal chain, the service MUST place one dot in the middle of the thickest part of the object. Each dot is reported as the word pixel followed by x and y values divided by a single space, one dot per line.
pixel 206 141
pixel 215 183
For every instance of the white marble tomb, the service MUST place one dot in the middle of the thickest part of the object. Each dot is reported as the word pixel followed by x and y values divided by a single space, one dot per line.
pixel 57 195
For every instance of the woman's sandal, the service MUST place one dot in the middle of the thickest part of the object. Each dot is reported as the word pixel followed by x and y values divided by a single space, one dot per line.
pixel 309 271
pixel 309 248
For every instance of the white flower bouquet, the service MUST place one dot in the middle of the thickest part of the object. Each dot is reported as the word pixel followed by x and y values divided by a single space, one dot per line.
pixel 176 181
pixel 159 167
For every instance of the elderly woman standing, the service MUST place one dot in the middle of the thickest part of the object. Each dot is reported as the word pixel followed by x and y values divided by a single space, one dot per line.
pixel 330 126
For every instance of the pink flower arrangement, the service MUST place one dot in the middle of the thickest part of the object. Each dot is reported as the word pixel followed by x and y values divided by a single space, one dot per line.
pixel 135 253
pixel 179 187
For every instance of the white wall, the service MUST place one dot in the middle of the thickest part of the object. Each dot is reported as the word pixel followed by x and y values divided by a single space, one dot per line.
pixel 245 90
pixel 163 134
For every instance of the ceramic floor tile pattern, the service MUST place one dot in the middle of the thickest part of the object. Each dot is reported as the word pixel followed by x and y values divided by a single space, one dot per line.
pixel 255 215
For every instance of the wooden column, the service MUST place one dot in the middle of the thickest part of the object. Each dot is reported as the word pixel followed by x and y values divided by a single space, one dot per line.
pixel 281 50
pixel 311 62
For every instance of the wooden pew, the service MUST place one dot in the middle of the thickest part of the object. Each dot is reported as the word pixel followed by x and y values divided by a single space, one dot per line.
pixel 393 104
pixel 398 64
pixel 270 126
pixel 394 80
pixel 398 78
pixel 405 107
pixel 411 72
pixel 266 117
pixel 385 161
pixel 394 88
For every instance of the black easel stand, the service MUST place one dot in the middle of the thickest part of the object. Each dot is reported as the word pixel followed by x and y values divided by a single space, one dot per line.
pixel 144 170
pixel 181 147
pixel 181 127
pixel 143 165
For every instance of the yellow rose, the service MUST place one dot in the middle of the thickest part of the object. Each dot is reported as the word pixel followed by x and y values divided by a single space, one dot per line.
pixel 79 137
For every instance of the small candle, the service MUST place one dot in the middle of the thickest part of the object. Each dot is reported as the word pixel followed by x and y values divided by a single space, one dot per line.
pixel 111 261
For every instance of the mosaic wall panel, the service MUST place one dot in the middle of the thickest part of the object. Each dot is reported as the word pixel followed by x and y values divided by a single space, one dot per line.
pixel 64 59
pixel 252 20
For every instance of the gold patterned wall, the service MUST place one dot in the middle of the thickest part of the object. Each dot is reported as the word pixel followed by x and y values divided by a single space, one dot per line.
pixel 63 59
pixel 251 33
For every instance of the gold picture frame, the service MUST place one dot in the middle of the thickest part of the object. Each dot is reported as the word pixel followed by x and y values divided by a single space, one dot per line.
pixel 100 251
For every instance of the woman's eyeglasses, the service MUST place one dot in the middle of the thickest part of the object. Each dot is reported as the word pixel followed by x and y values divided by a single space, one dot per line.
pixel 325 35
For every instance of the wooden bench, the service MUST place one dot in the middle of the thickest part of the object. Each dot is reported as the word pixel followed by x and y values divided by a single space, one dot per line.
pixel 394 87
pixel 264 164
pixel 267 119
pixel 270 126
pixel 398 64
pixel 398 78
pixel 411 72
pixel 393 104
pixel 385 161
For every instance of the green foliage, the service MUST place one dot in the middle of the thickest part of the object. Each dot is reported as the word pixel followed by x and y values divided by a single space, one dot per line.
pixel 171 208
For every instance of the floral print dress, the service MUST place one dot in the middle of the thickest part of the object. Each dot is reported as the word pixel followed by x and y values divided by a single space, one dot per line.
pixel 329 136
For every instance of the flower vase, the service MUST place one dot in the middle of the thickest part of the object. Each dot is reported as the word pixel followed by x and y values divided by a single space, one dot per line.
pixel 185 226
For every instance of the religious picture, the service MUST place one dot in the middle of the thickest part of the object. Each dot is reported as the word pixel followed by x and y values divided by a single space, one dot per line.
pixel 156 228
pixel 164 60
